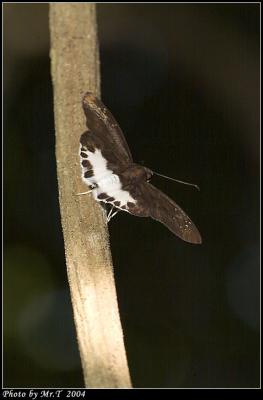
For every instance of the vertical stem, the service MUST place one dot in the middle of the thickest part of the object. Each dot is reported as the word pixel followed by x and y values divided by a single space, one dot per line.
pixel 75 70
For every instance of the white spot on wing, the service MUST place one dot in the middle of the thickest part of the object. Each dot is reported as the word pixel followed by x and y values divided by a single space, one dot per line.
pixel 105 180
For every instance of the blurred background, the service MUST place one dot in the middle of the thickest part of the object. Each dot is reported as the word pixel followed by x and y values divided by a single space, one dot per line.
pixel 183 82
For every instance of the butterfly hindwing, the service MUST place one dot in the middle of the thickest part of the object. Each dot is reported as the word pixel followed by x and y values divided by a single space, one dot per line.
pixel 101 170
pixel 151 202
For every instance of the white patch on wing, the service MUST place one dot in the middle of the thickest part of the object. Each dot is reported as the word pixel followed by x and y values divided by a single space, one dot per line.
pixel 105 180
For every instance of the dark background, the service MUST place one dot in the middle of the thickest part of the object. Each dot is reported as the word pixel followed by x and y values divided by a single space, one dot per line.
pixel 183 82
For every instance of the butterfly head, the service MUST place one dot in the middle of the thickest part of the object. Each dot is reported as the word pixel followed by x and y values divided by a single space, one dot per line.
pixel 137 172
pixel 148 173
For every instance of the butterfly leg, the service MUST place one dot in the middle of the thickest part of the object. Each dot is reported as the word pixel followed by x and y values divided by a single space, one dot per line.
pixel 89 191
pixel 79 194
pixel 109 214
pixel 114 214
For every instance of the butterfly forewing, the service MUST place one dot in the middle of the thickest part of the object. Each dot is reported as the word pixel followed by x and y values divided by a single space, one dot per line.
pixel 102 123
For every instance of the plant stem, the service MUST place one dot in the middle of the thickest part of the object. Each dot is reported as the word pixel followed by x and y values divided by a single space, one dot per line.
pixel 75 70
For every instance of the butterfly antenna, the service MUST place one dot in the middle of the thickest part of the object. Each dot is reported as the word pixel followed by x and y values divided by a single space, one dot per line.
pixel 177 180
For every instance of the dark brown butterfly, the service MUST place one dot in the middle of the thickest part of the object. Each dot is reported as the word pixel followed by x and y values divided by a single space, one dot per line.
pixel 113 177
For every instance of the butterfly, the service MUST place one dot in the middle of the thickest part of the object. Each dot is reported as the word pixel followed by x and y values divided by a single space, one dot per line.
pixel 113 178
